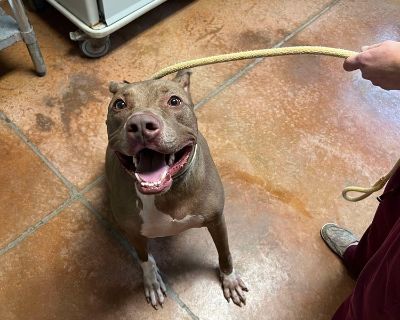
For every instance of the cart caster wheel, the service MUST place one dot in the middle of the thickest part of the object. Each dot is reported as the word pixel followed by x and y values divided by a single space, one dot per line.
pixel 95 48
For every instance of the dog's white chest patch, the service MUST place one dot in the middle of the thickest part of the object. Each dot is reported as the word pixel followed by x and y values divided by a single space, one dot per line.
pixel 158 224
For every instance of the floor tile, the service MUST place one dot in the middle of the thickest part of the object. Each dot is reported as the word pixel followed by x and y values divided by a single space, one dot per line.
pixel 29 190
pixel 72 269
pixel 66 110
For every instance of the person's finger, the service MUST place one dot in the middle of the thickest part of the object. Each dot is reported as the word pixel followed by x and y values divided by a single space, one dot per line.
pixel 351 63
pixel 383 83
pixel 367 75
pixel 365 48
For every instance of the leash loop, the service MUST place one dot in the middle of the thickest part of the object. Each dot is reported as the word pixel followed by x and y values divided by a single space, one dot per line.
pixel 366 192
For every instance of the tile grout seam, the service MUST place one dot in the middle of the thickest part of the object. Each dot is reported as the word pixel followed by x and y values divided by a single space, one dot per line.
pixel 93 184
pixel 71 188
pixel 127 246
pixel 246 69
pixel 32 229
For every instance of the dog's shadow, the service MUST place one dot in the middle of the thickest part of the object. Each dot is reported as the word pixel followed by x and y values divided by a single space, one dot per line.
pixel 188 255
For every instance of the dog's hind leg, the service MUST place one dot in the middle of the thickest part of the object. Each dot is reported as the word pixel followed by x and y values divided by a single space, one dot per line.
pixel 232 284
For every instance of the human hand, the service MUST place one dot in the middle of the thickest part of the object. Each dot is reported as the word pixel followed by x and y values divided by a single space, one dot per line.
pixel 379 63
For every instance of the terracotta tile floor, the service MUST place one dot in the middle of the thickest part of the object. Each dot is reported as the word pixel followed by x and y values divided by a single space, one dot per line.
pixel 286 133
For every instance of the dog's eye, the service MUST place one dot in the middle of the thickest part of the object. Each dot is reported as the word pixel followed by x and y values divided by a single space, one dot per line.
pixel 174 101
pixel 119 104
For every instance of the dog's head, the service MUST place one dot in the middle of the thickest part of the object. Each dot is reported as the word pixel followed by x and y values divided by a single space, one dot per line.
pixel 152 129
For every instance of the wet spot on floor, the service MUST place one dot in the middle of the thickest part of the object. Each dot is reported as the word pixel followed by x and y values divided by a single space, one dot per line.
pixel 81 90
pixel 250 39
pixel 43 122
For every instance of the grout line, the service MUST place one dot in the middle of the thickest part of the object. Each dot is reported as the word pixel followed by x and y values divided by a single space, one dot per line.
pixel 108 226
pixel 255 62
pixel 307 23
pixel 74 194
pixel 227 83
pixel 28 232
pixel 71 188
pixel 126 245
pixel 178 300
pixel 93 184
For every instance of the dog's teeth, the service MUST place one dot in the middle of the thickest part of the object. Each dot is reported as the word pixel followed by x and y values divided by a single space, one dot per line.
pixel 138 177
pixel 171 159
pixel 150 184
pixel 134 161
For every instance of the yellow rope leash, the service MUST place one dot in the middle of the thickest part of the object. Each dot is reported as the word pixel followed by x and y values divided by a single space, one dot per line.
pixel 366 192
pixel 273 52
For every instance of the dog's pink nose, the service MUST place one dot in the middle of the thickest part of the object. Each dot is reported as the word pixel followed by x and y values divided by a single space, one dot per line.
pixel 143 127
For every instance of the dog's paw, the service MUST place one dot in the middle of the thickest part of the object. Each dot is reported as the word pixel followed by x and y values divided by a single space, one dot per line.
pixel 233 288
pixel 154 287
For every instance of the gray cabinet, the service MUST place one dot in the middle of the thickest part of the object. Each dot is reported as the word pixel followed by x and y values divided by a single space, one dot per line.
pixel 116 10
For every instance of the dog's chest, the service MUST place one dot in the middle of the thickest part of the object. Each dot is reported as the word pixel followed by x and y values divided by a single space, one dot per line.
pixel 158 224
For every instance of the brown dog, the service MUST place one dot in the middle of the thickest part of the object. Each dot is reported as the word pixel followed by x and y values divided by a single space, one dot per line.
pixel 162 179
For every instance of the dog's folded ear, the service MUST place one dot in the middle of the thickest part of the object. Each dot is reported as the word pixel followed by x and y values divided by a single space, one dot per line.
pixel 115 86
pixel 183 78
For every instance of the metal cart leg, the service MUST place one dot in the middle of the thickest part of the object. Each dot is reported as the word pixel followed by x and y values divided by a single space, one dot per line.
pixel 28 35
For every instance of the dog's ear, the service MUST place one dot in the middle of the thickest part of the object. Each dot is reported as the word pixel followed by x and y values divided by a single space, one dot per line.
pixel 115 86
pixel 183 78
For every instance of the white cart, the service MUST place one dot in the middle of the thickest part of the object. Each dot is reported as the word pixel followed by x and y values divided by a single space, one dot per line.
pixel 97 19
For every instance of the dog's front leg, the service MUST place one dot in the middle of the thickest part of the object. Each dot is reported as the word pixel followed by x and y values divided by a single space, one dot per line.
pixel 154 287
pixel 232 285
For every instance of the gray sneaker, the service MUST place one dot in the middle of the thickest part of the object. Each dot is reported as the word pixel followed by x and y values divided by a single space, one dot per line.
pixel 338 239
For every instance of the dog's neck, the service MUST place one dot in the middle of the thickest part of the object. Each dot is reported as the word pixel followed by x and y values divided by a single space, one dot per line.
pixel 188 166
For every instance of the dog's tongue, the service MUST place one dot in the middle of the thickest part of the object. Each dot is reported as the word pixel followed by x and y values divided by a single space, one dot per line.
pixel 151 165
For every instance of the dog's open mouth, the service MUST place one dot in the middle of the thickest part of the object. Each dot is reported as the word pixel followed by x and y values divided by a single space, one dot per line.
pixel 154 170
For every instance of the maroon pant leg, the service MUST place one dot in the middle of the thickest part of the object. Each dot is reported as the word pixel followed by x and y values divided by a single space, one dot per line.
pixel 388 212
pixel 376 261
